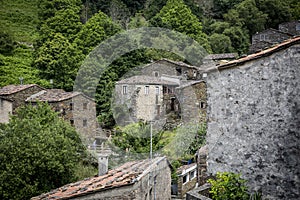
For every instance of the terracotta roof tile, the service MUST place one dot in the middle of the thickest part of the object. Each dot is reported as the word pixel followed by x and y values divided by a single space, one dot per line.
pixel 51 95
pixel 11 89
pixel 260 54
pixel 124 175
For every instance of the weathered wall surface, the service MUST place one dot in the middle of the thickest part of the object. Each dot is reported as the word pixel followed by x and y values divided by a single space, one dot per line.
pixel 193 102
pixel 6 108
pixel 254 123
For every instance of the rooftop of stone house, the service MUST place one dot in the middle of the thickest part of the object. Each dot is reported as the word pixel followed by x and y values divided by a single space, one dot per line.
pixel 149 80
pixel 179 63
pixel 272 30
pixel 52 95
pixel 127 174
pixel 189 83
pixel 221 56
pixel 11 89
pixel 285 44
pixel 185 168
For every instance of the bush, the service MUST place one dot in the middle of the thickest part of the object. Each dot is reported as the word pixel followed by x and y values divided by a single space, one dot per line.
pixel 228 186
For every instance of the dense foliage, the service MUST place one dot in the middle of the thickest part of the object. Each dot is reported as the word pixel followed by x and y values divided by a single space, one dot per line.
pixel 228 185
pixel 42 40
pixel 38 152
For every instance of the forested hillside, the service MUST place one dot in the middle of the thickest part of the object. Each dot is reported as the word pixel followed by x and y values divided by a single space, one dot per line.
pixel 43 40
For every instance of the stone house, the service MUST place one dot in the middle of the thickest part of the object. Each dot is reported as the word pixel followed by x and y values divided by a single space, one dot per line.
pixel 73 107
pixel 292 27
pixel 187 179
pixel 142 98
pixel 141 180
pixel 192 97
pixel 170 68
pixel 14 96
pixel 254 121
pixel 270 37
pixel 267 38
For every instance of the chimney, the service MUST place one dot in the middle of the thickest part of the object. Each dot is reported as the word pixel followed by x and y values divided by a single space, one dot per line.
pixel 102 164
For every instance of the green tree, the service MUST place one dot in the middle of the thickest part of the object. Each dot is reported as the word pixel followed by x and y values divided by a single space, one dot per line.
pixel 177 16
pixel 220 43
pixel 277 11
pixel 97 29
pixel 248 15
pixel 59 60
pixel 7 43
pixel 38 152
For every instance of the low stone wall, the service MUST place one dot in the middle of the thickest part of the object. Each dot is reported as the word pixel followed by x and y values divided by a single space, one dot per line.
pixel 200 193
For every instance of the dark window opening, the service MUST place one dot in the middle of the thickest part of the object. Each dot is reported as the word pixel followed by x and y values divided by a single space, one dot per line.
pixel 71 106
pixel 202 105
pixel 72 122
pixel 84 122
pixel 85 106
pixel 173 104
pixel 179 71
pixel 184 179
pixel 156 74
pixel 124 89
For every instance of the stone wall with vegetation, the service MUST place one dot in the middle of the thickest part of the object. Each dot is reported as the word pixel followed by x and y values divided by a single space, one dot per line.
pixel 254 123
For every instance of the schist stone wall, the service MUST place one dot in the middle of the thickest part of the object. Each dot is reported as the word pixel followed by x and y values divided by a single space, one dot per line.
pixel 254 122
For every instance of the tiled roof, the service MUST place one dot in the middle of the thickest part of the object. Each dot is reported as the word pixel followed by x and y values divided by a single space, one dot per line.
pixel 52 95
pixel 261 54
pixel 11 89
pixel 149 80
pixel 179 63
pixel 189 83
pixel 285 44
pixel 127 174
pixel 272 29
pixel 221 56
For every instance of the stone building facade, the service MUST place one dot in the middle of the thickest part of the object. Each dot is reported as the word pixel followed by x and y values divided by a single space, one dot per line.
pixel 14 96
pixel 192 97
pixel 141 98
pixel 171 68
pixel 254 120
pixel 270 37
pixel 267 38
pixel 74 107
pixel 140 180
pixel 292 27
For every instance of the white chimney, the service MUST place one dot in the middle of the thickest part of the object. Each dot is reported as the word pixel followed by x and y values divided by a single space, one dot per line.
pixel 102 164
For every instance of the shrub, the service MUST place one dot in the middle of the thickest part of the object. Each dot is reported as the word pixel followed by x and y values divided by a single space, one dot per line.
pixel 228 186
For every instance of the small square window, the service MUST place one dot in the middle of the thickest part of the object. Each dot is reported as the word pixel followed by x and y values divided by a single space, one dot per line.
pixel 84 122
pixel 124 89
pixel 72 122
pixel 146 89
pixel 71 106
pixel 202 105
pixel 85 106
pixel 192 174
pixel 184 179
pixel 157 90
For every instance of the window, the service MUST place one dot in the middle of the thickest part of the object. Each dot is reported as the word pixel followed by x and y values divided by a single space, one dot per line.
pixel 157 90
pixel 85 106
pixel 146 89
pixel 125 89
pixel 72 122
pixel 185 179
pixel 84 122
pixel 179 71
pixel 71 106
pixel 156 74
pixel 202 105
pixel 192 174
